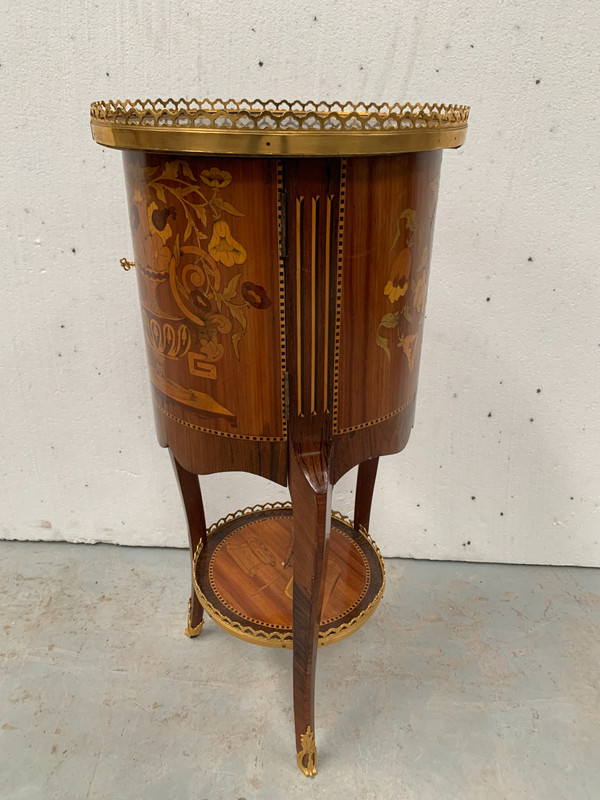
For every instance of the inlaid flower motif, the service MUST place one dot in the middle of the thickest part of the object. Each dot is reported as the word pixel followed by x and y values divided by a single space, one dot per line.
pixel 215 178
pixel 255 295
pixel 420 293
pixel 161 254
pixel 397 284
pixel 158 221
pixel 409 348
pixel 223 247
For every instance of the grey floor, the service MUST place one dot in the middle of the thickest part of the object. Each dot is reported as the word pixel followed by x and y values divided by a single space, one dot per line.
pixel 470 681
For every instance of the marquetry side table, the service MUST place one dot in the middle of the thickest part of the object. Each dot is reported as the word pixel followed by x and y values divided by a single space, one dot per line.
pixel 282 254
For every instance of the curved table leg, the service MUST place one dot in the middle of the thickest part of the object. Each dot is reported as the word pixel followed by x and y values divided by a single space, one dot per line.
pixel 189 486
pixel 311 502
pixel 365 484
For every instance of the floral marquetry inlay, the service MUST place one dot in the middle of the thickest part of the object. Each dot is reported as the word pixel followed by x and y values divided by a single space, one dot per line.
pixel 200 289
pixel 200 264
pixel 405 275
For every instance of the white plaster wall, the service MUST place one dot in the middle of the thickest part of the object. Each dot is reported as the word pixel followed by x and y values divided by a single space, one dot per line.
pixel 504 460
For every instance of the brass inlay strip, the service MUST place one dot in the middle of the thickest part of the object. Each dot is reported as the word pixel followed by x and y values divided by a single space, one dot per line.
pixel 313 304
pixel 285 144
pixel 327 299
pixel 299 303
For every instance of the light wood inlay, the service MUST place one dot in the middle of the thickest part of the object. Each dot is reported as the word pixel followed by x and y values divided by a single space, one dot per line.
pixel 327 301
pixel 299 304
pixel 313 304
pixel 338 290
pixel 282 237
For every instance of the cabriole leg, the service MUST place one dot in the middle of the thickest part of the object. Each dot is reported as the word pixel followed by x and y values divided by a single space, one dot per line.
pixel 189 486
pixel 311 502
pixel 365 484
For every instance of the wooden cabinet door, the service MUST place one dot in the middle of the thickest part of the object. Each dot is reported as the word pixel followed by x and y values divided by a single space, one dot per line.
pixel 206 241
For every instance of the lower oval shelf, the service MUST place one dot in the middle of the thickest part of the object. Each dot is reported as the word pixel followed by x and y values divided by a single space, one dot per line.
pixel 244 576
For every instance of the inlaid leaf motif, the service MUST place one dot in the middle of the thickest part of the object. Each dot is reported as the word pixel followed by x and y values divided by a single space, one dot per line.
pixel 238 313
pixel 407 221
pixel 225 206
pixel 235 341
pixel 409 348
pixel 424 260
pixel 389 321
pixel 187 170
pixel 170 169
pixel 231 287
pixel 383 343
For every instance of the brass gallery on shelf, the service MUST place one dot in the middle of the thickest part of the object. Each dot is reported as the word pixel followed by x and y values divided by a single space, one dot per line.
pixel 282 256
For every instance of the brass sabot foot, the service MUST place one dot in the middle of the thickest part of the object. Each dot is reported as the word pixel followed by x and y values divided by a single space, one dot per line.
pixel 190 630
pixel 307 757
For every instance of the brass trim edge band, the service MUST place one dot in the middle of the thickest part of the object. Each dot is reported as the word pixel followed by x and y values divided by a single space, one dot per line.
pixel 169 139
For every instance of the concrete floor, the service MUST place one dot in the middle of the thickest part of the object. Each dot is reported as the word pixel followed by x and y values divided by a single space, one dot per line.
pixel 470 681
